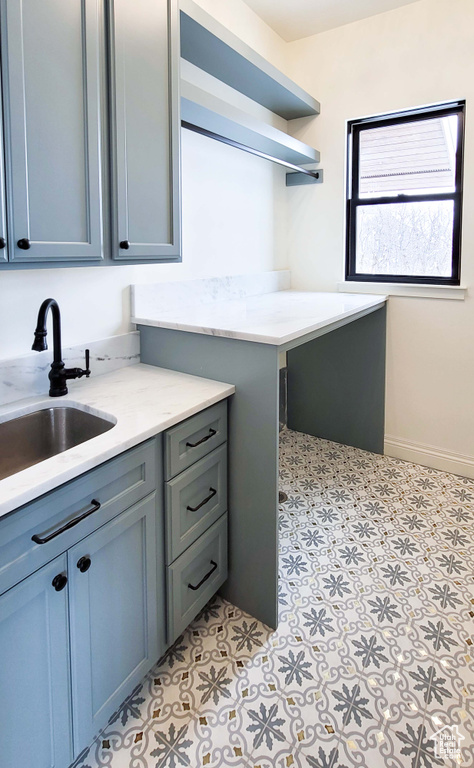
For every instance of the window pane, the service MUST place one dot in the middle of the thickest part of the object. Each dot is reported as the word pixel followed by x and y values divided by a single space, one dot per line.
pixel 409 158
pixel 405 239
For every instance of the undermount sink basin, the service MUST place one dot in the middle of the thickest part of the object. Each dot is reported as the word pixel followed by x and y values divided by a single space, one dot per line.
pixel 34 437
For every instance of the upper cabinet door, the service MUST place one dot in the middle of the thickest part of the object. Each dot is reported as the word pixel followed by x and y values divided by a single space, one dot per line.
pixel 52 125
pixel 145 129
pixel 3 222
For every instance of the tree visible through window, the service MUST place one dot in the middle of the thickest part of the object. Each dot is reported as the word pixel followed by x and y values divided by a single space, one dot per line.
pixel 405 195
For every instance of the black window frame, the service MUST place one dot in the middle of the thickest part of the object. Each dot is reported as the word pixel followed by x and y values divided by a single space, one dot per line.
pixel 355 127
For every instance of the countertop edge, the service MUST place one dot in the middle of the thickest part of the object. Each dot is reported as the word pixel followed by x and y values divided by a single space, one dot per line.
pixel 99 455
pixel 373 303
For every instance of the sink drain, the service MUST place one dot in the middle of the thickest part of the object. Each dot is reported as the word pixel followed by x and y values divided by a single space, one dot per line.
pixel 282 497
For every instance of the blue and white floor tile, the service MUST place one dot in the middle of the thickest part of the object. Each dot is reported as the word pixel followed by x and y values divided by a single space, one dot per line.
pixel 374 651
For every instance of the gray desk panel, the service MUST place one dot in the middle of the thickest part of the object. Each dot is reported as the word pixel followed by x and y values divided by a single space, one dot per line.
pixel 336 384
pixel 253 453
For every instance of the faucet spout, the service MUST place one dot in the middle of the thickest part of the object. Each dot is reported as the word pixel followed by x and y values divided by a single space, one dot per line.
pixel 40 343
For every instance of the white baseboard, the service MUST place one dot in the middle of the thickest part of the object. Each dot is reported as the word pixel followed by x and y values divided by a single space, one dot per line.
pixel 430 456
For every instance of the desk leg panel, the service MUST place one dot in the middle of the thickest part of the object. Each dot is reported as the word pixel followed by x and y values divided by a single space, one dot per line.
pixel 253 453
pixel 336 384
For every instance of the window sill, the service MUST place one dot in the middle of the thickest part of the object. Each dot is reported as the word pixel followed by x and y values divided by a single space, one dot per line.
pixel 453 292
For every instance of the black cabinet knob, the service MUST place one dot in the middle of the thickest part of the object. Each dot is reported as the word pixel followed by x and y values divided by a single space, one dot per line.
pixel 125 245
pixel 84 563
pixel 59 582
pixel 3 242
pixel 24 244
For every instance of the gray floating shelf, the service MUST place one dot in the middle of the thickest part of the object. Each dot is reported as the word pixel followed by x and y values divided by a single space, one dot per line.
pixel 210 46
pixel 205 111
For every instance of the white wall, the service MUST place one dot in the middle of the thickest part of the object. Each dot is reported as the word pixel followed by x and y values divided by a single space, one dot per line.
pixel 418 54
pixel 233 222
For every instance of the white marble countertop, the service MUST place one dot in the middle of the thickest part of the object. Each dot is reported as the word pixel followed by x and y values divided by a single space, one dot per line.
pixel 271 318
pixel 141 399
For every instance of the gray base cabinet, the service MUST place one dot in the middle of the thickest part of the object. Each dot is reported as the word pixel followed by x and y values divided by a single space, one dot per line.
pixel 196 514
pixel 87 619
pixel 86 593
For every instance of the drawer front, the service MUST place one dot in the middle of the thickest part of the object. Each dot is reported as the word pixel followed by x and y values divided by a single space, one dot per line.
pixel 194 500
pixel 204 567
pixel 195 438
pixel 116 485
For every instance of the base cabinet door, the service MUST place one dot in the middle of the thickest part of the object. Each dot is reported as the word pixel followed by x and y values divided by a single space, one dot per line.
pixel 35 713
pixel 113 615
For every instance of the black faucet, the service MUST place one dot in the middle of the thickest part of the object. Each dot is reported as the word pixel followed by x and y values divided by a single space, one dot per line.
pixel 58 374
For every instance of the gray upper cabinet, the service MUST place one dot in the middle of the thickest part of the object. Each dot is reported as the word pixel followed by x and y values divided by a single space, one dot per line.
pixel 80 77
pixel 3 222
pixel 144 51
pixel 51 77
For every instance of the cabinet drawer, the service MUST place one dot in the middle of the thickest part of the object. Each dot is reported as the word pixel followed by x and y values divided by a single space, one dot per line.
pixel 204 567
pixel 195 438
pixel 194 500
pixel 116 485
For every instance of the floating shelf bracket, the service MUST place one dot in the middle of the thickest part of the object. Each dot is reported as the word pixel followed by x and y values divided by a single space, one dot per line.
pixel 301 177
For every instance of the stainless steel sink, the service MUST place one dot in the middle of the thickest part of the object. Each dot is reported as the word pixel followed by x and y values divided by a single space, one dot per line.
pixel 29 439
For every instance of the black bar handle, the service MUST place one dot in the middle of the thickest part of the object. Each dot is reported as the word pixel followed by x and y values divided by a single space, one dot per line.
pixel 204 501
pixel 44 539
pixel 88 370
pixel 212 432
pixel 24 244
pixel 214 566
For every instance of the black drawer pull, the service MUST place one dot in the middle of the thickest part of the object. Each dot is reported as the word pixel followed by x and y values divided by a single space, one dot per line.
pixel 44 539
pixel 24 244
pixel 214 566
pixel 204 501
pixel 59 582
pixel 212 432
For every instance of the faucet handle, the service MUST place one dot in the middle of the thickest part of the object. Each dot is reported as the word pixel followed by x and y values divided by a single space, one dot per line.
pixel 87 371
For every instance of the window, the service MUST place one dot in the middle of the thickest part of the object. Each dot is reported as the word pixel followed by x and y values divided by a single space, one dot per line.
pixel 405 196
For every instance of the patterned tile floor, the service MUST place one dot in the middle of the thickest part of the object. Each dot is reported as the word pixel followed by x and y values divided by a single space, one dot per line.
pixel 374 651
